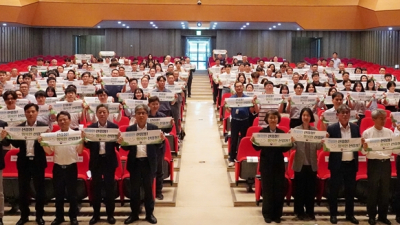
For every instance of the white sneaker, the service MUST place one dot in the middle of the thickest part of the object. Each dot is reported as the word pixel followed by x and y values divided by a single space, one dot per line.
pixel 230 164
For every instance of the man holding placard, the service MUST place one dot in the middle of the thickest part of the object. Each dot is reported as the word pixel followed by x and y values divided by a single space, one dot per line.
pixel 142 161
pixel 378 167
pixel 65 170
pixel 102 164
pixel 240 119
pixel 343 164
pixel 337 100
pixel 165 106
pixel 31 163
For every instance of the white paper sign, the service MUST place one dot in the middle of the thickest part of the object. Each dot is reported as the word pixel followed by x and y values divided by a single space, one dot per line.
pixel 272 139
pixel 141 137
pixel 101 134
pixel 25 133
pixel 239 102
pixel 113 80
pixel 161 122
pixel 164 96
pixel 312 136
pixel 61 138
pixel 342 144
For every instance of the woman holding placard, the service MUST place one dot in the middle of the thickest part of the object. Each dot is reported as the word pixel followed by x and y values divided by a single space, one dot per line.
pixel 358 106
pixel 305 169
pixel 272 169
pixel 294 112
pixel 391 104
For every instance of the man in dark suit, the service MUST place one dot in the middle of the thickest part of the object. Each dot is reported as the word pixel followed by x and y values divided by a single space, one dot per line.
pixel 343 165
pixel 31 163
pixel 2 165
pixel 103 162
pixel 142 166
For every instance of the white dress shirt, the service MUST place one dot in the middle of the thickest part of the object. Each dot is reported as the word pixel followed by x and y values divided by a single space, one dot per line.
pixel 375 133
pixel 141 149
pixel 102 149
pixel 346 133
pixel 30 149
pixel 31 98
pixel 65 154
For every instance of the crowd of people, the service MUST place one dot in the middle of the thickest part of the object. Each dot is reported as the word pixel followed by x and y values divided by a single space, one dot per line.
pixel 309 95
pixel 97 94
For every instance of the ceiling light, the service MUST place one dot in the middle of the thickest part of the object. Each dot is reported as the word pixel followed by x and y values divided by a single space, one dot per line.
pixel 279 24
pixel 247 24
pixel 270 28
pixel 182 22
pixel 274 26
pixel 127 27
pixel 244 26
pixel 199 24
pixel 119 22
pixel 215 23
pixel 123 25
pixel 98 27
pixel 298 28
pixel 241 28
pixel 154 25
pixel 390 28
pixel 151 22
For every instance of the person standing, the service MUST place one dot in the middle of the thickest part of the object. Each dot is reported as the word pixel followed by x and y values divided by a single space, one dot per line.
pixel 272 169
pixel 343 165
pixel 378 169
pixel 240 121
pixel 305 169
pixel 142 166
pixel 31 163
pixel 102 164
pixel 190 79
pixel 65 172
pixel 336 60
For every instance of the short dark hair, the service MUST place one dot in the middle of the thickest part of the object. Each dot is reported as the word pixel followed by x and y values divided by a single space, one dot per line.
pixel 27 75
pixel 268 82
pixel 161 77
pixel 2 71
pixel 343 107
pixel 133 79
pixel 85 73
pixel 169 74
pixel 7 93
pixel 388 75
pixel 50 79
pixel 315 74
pixel 153 99
pixel 39 60
pixel 272 113
pixel 249 85
pixel 40 93
pixel 100 106
pixel 228 65
pixel 312 119
pixel 27 106
pixel 390 84
pixel 298 85
pixel 65 113
pixel 69 90
pixel 336 94
pixel 101 91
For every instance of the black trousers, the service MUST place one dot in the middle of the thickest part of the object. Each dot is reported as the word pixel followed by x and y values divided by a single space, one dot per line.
pixel 397 192
pixel 304 190
pixel 189 83
pixel 273 187
pixel 237 126
pixel 160 172
pixel 346 174
pixel 216 91
pixel 295 122
pixel 379 174
pixel 142 175
pixel 65 177
pixel 24 178
pixel 103 171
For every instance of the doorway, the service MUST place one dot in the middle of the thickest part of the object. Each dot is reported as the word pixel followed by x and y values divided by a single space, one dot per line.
pixel 198 50
pixel 305 47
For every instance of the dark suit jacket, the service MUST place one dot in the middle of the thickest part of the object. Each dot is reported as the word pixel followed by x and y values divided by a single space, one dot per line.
pixel 270 157
pixel 2 164
pixel 152 151
pixel 94 148
pixel 160 114
pixel 335 158
pixel 40 155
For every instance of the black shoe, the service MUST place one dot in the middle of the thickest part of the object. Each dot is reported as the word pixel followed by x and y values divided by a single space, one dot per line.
pixel 151 219
pixel 160 196
pixel 22 221
pixel 40 221
pixel 74 221
pixel 57 221
pixel 94 220
pixel 311 216
pixel 267 220
pixel 111 220
pixel 371 221
pixel 333 220
pixel 300 216
pixel 352 219
pixel 278 220
pixel 398 219
pixel 384 220
pixel 131 219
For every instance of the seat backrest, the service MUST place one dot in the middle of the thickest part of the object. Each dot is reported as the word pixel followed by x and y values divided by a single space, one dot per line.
pixel 124 121
pixel 10 160
pixel 256 121
pixel 393 163
pixel 362 164
pixel 323 159
pixel 285 121
pixel 388 123
pixel 118 170
pixel 380 106
pixel 252 129
pixel 290 171
pixel 246 149
pixel 366 123
pixel 83 163
pixel 367 113
pixel 56 127
pixel 123 128
pixel 284 128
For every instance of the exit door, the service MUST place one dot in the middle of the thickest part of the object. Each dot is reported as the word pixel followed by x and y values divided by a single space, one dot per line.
pixel 198 50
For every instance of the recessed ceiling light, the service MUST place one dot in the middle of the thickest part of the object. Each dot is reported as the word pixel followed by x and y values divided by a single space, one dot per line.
pixel 123 25
pixel 298 28
pixel 247 24
pixel 215 23
pixel 182 22
pixel 270 28
pixel 390 28
pixel 241 28
pixel 151 22
pixel 279 24
pixel 119 22
pixel 127 27
pixel 156 27
pixel 274 26
pixel 98 27
pixel 244 26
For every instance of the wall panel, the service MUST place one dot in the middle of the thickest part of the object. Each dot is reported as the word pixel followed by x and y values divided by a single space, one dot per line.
pixel 19 43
